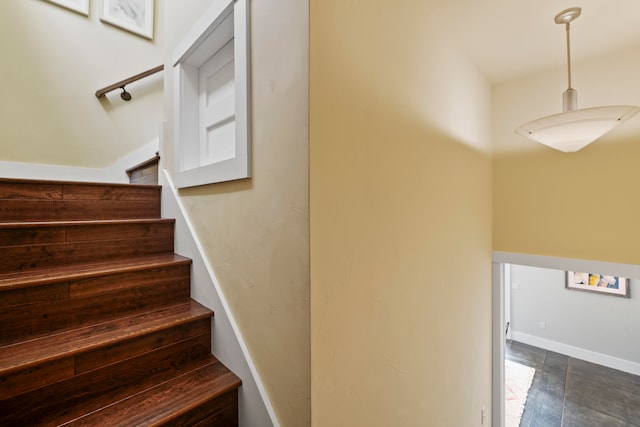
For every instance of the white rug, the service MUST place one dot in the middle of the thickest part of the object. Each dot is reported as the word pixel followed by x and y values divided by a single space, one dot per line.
pixel 517 382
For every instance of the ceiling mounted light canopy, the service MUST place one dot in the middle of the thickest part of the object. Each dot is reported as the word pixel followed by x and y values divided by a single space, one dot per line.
pixel 575 128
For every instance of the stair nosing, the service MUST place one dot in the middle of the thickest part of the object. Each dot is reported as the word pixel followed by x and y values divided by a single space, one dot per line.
pixel 176 335
pixel 85 183
pixel 168 384
pixel 44 276
pixel 110 336
pixel 82 222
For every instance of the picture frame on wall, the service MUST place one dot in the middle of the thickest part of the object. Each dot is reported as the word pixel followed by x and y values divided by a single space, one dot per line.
pixel 598 283
pixel 135 16
pixel 78 6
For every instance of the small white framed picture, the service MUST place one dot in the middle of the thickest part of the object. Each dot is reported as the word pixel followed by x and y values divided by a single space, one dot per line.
pixel 135 16
pixel 79 6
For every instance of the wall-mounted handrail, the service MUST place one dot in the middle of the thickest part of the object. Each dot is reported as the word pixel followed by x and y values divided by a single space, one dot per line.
pixel 121 84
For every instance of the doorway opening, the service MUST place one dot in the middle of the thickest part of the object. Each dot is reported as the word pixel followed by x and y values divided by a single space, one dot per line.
pixel 541 339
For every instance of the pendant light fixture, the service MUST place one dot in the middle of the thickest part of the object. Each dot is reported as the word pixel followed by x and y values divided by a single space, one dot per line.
pixel 575 128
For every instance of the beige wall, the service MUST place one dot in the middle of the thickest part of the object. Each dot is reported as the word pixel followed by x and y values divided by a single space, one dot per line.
pixel 53 61
pixel 400 220
pixel 580 205
pixel 255 231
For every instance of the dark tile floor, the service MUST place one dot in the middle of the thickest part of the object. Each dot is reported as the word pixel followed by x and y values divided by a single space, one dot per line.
pixel 568 392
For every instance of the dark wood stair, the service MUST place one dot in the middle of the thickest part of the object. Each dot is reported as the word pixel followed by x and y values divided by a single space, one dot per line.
pixel 97 326
pixel 145 172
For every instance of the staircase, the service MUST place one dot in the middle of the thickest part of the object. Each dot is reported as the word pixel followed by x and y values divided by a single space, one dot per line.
pixel 97 327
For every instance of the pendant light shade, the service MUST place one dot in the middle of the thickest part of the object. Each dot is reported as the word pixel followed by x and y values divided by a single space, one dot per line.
pixel 574 128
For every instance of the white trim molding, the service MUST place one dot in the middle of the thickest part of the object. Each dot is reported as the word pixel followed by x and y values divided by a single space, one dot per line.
pixel 571 264
pixel 498 346
pixel 255 409
pixel 225 23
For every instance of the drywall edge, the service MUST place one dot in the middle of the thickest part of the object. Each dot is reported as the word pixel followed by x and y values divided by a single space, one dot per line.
pixel 255 409
pixel 500 258
pixel 571 264
pixel 116 173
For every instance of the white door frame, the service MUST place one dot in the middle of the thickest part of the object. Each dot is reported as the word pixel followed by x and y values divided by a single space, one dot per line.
pixel 497 325
pixel 499 260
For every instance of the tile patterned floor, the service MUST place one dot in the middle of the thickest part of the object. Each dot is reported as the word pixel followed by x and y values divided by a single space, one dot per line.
pixel 568 392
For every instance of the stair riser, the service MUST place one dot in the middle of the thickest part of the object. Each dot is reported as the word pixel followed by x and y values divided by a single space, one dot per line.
pixel 220 412
pixel 41 375
pixel 32 292
pixel 147 174
pixel 76 244
pixel 36 210
pixel 43 233
pixel 90 300
pixel 37 190
pixel 65 368
pixel 205 397
pixel 96 322
pixel 200 330
pixel 35 201
pixel 106 384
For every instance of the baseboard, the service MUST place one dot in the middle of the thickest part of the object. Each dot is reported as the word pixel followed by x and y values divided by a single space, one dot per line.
pixel 255 409
pixel 115 173
pixel 577 352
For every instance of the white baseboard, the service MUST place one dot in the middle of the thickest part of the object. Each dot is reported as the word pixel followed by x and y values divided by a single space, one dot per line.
pixel 255 409
pixel 577 352
pixel 115 173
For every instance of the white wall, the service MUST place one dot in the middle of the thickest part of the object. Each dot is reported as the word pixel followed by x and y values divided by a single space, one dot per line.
pixel 53 61
pixel 226 343
pixel 596 327
pixel 255 232
pixel 116 172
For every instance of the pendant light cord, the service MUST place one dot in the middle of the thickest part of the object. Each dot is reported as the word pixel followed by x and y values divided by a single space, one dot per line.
pixel 569 54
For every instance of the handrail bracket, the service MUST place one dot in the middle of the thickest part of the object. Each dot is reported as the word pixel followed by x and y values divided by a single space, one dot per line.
pixel 121 84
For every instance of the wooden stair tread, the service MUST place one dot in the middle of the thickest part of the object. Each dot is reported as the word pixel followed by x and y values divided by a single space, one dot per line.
pixel 79 222
pixel 21 355
pixel 24 412
pixel 167 401
pixel 96 322
pixel 43 276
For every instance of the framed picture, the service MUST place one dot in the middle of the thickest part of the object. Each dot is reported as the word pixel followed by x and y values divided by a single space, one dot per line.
pixel 135 16
pixel 611 285
pixel 79 6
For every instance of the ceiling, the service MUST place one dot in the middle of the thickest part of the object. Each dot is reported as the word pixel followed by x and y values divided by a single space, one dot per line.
pixel 507 39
